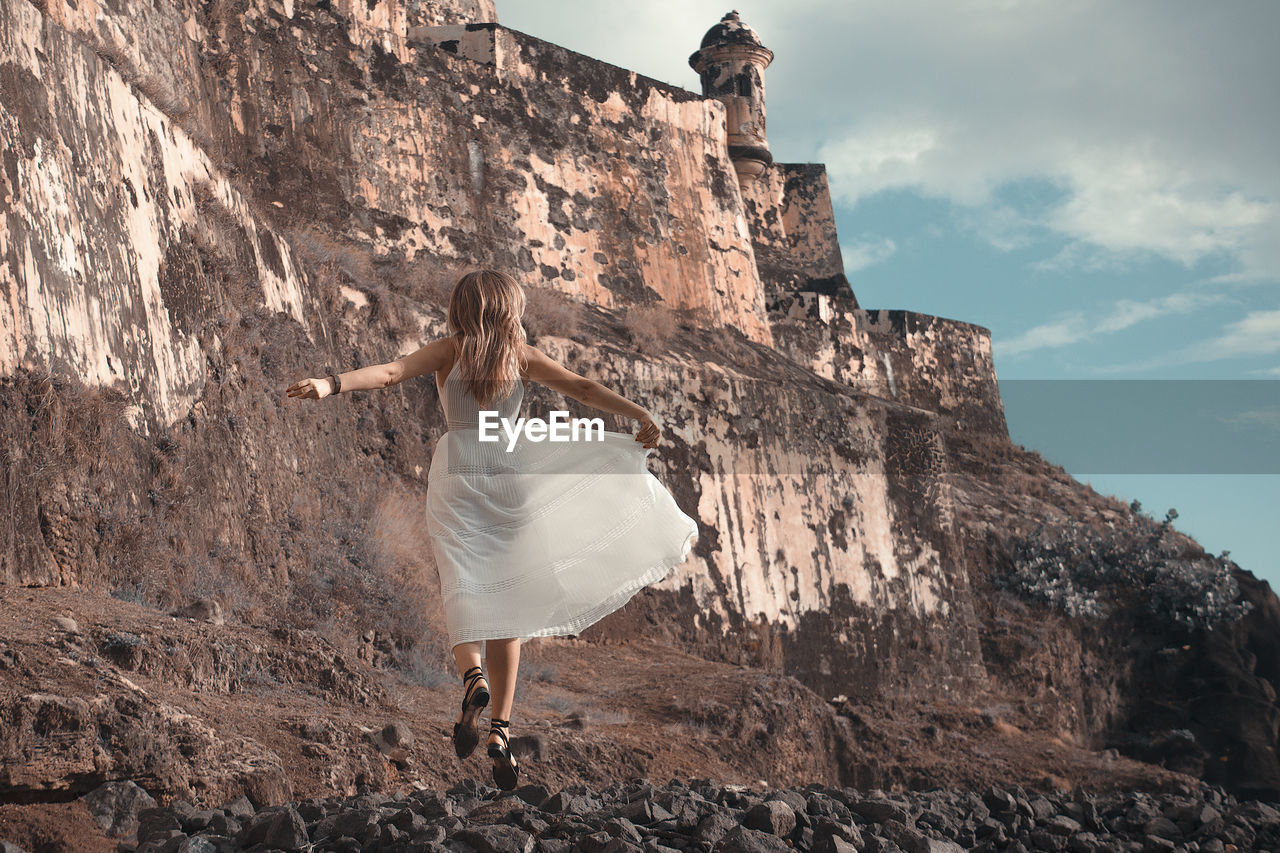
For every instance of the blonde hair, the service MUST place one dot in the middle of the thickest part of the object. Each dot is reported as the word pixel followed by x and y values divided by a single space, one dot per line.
pixel 484 315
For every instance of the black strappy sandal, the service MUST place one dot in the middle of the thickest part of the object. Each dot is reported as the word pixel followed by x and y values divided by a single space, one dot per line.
pixel 505 768
pixel 466 734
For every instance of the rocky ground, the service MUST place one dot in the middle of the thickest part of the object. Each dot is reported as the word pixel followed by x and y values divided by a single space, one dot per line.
pixel 699 816
pixel 95 689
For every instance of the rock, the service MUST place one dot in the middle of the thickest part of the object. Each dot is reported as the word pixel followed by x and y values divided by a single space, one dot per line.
pixel 202 609
pixel 115 806
pixel 795 799
pixel 279 826
pixel 535 825
pixel 123 648
pixel 1156 844
pixel 240 808
pixel 532 794
pixel 10 847
pixel 714 826
pixel 1162 827
pixel 1258 814
pixel 743 839
pixel 593 842
pixel 497 838
pixel 621 845
pixel 198 820
pixel 826 831
pixel 908 838
pixel 554 845
pixel 879 811
pixel 941 845
pixel 821 804
pixel 999 801
pixel 1060 824
pixel 620 827
pixel 359 823
pixel 156 823
pixel 164 842
pixel 1041 808
pixel 390 836
pixel 395 736
pixel 772 816
pixel 432 804
pixel 568 803
pixel 66 623
pixel 836 844
pixel 1042 839
pixel 350 845
pixel 223 824
pixel 200 844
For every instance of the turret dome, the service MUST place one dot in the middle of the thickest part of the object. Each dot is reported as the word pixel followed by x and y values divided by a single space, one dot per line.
pixel 731 30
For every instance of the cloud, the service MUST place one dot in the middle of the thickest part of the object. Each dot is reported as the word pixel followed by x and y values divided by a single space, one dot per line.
pixel 869 250
pixel 1123 203
pixel 1124 313
pixel 1266 418
pixel 1257 333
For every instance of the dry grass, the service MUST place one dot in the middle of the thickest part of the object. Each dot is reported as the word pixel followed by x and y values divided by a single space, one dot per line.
pixel 653 326
pixel 549 312
pixel 650 327
pixel 429 282
pixel 321 249
pixel 160 94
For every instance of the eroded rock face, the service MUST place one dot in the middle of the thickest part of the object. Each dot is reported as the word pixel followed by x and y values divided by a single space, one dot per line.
pixel 477 142
pixel 202 203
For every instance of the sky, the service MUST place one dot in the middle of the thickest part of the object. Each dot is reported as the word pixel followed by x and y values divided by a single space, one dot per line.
pixel 1097 183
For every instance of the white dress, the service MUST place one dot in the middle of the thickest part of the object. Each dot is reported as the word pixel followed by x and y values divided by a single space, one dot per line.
pixel 549 537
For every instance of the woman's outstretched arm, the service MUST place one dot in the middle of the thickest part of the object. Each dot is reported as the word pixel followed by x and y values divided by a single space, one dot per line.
pixel 545 369
pixel 428 359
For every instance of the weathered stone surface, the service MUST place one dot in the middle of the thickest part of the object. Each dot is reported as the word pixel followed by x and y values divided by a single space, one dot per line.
pixel 772 816
pixel 497 838
pixel 280 827
pixel 742 839
pixel 115 806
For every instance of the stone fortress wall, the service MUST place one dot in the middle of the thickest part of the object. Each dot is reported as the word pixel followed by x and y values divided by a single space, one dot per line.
pixel 430 132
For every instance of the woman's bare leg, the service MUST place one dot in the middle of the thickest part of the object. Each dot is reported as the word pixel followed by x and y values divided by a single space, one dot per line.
pixel 503 659
pixel 467 655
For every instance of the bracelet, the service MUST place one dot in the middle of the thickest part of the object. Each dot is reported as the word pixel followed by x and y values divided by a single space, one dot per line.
pixel 337 383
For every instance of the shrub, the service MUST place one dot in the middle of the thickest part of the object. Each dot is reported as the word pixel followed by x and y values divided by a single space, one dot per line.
pixel 549 312
pixel 650 326
pixel 1086 572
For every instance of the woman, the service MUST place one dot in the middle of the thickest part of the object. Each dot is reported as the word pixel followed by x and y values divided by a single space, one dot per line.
pixel 532 538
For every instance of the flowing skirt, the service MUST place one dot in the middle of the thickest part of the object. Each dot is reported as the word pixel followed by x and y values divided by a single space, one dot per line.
pixel 550 537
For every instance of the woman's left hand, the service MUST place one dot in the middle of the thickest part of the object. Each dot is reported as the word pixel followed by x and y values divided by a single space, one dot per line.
pixel 310 389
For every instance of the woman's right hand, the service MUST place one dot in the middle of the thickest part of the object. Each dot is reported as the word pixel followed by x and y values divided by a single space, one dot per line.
pixel 649 432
